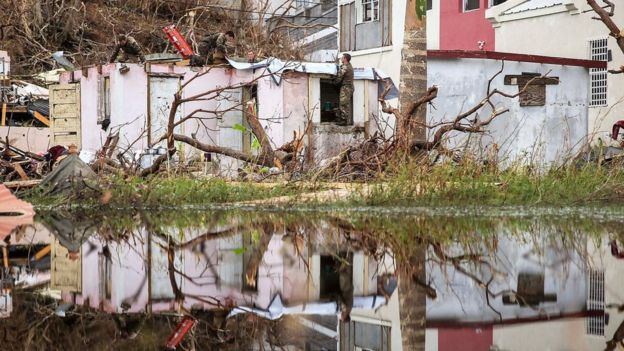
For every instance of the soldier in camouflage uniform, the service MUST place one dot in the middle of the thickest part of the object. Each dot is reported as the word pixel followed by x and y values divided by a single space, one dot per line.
pixel 213 47
pixel 129 47
pixel 345 80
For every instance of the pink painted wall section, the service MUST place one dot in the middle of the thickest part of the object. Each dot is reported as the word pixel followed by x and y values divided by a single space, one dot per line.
pixel 461 30
pixel 296 94
pixel 27 138
pixel 473 339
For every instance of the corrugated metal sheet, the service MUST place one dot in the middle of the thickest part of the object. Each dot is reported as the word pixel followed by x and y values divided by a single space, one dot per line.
pixel 532 5
pixel 41 106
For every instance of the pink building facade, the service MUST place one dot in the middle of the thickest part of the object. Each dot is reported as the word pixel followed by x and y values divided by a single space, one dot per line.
pixel 463 25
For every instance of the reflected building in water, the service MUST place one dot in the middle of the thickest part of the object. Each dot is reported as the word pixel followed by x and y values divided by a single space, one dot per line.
pixel 502 292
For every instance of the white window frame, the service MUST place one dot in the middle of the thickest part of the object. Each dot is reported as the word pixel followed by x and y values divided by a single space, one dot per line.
pixel 465 2
pixel 595 325
pixel 598 51
pixel 362 12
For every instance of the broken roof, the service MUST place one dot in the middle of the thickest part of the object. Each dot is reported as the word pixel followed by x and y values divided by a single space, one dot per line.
pixel 530 5
pixel 276 66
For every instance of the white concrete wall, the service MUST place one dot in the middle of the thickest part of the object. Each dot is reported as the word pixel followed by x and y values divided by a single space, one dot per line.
pixel 565 334
pixel 565 32
pixel 27 138
pixel 536 134
pixel 600 256
pixel 433 26
pixel 5 63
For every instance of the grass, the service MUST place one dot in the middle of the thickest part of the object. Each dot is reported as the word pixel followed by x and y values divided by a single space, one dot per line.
pixel 158 191
pixel 472 185
pixel 407 185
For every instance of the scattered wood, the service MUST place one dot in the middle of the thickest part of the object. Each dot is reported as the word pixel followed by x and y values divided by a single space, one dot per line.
pixel 22 184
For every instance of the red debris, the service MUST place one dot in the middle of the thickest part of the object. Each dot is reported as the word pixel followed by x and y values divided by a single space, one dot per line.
pixel 180 331
pixel 178 41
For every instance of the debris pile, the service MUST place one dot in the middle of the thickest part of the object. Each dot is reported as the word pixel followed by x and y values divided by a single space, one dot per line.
pixel 19 168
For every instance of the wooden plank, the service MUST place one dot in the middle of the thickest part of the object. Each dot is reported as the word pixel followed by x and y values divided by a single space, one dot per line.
pixel 18 168
pixel 505 56
pixel 41 118
pixel 3 120
pixel 22 183
pixel 522 80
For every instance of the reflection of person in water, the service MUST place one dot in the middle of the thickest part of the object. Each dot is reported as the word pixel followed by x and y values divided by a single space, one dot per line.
pixel 345 284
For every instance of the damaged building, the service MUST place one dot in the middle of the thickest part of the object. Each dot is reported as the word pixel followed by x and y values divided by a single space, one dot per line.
pixel 135 100
pixel 23 111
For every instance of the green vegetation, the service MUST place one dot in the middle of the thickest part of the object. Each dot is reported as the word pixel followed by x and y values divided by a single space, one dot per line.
pixel 471 185
pixel 164 192
pixel 408 185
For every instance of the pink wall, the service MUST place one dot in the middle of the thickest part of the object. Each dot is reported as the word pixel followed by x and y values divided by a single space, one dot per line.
pixel 462 30
pixel 473 339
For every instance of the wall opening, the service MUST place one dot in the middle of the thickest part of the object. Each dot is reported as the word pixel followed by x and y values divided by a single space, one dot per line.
pixel 330 101
pixel 250 105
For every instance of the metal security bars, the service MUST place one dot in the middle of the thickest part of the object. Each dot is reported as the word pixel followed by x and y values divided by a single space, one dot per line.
pixel 595 324
pixel 598 76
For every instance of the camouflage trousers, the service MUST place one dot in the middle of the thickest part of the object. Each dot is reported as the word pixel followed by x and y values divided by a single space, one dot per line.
pixel 346 105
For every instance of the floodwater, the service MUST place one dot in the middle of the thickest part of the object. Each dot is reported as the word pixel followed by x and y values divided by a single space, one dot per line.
pixel 359 280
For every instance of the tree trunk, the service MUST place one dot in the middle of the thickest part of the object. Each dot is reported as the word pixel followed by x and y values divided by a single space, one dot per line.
pixel 413 84
pixel 412 300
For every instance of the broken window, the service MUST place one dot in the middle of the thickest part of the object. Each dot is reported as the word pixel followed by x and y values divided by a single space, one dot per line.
pixel 595 324
pixel 104 112
pixel 598 76
pixel 250 105
pixel 330 284
pixel 330 101
pixel 470 5
pixel 356 335
pixel 370 10
pixel 365 25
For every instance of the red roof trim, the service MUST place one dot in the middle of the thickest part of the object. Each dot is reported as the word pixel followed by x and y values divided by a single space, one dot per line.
pixel 494 55
pixel 514 321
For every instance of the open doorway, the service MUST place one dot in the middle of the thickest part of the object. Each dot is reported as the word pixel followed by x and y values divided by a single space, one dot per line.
pixel 330 101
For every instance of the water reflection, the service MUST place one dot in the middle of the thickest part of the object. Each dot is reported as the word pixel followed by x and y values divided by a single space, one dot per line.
pixel 254 281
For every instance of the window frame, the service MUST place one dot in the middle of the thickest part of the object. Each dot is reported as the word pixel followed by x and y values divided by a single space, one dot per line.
pixel 362 4
pixel 598 77
pixel 595 325
pixel 465 3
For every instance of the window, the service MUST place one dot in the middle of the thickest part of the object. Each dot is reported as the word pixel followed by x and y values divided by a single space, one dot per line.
pixel 104 107
pixel 429 5
pixel 355 335
pixel 598 51
pixel 595 325
pixel 496 2
pixel 470 5
pixel 365 24
pixel 370 10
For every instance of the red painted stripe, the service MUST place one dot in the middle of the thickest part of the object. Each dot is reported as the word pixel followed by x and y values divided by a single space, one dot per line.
pixel 506 56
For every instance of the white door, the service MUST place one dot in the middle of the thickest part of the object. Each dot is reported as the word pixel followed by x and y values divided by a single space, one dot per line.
pixel 230 134
pixel 65 115
pixel 162 91
pixel 160 283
